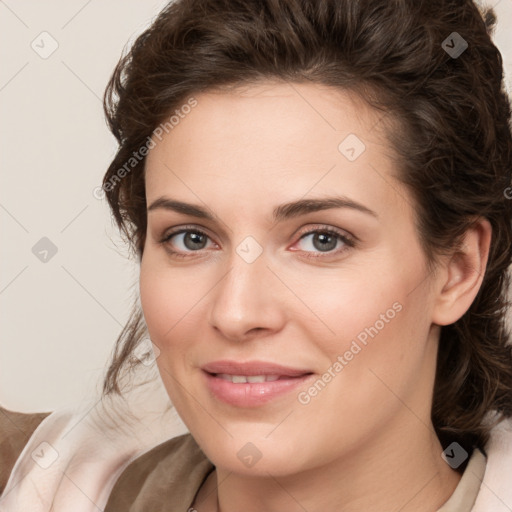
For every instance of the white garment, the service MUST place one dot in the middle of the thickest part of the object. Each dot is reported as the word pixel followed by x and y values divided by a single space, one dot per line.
pixel 495 493
pixel 81 452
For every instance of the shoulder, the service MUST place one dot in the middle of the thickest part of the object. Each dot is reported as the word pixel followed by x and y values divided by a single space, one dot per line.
pixel 164 478
pixel 15 430
pixel 496 490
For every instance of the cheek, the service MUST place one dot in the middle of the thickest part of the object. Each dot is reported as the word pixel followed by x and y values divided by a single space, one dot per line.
pixel 157 304
pixel 168 301
pixel 349 304
pixel 374 324
pixel 377 352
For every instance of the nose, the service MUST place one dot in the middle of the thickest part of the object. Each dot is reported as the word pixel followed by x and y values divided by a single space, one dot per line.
pixel 248 301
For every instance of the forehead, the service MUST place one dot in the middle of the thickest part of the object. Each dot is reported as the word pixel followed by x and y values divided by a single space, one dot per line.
pixel 273 140
pixel 274 115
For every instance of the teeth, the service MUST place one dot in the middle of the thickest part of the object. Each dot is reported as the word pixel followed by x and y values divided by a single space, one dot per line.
pixel 256 378
pixel 241 379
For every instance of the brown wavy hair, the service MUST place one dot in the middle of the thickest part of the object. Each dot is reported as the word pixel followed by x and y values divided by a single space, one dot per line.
pixel 447 117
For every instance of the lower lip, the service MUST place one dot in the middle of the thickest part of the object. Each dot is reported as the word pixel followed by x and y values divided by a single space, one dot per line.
pixel 252 394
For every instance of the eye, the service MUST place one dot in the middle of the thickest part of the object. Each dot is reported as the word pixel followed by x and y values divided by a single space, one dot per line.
pixel 325 240
pixel 186 240
pixel 322 240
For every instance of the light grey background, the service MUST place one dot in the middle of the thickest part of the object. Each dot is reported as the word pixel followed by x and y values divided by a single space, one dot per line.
pixel 60 318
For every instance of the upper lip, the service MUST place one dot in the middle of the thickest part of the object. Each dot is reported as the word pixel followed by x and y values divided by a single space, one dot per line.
pixel 253 368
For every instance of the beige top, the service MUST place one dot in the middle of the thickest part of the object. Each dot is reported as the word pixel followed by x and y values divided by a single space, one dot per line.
pixel 168 477
pixel 464 496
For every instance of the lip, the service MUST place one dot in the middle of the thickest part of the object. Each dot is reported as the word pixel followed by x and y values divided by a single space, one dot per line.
pixel 252 394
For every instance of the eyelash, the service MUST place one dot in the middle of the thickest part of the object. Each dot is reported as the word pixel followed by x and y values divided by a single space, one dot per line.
pixel 349 242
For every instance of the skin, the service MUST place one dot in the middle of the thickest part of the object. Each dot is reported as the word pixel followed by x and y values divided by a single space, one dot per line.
pixel 366 441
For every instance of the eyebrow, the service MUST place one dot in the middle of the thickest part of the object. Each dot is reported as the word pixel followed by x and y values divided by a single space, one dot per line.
pixel 280 213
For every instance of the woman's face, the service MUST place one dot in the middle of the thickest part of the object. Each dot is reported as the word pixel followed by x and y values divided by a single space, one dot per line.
pixel 292 331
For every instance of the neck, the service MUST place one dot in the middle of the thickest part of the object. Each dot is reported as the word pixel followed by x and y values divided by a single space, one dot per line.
pixel 399 470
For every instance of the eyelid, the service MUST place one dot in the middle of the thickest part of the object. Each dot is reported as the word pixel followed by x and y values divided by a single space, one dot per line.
pixel 184 229
pixel 349 241
pixel 328 229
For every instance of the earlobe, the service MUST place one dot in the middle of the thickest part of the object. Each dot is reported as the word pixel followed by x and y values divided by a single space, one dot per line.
pixel 463 274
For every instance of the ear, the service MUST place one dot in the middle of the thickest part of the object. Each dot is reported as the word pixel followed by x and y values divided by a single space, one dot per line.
pixel 460 278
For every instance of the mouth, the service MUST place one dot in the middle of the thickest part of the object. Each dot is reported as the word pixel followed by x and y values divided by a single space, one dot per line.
pixel 252 384
pixel 242 379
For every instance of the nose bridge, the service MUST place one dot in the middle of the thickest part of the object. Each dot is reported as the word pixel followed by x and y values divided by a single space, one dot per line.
pixel 242 284
pixel 245 298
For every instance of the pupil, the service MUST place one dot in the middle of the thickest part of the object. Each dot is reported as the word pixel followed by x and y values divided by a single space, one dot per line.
pixel 194 240
pixel 324 237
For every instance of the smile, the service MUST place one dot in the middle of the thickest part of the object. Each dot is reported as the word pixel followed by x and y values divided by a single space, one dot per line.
pixel 240 379
pixel 251 384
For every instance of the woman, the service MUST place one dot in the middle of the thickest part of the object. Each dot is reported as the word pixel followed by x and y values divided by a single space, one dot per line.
pixel 316 192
